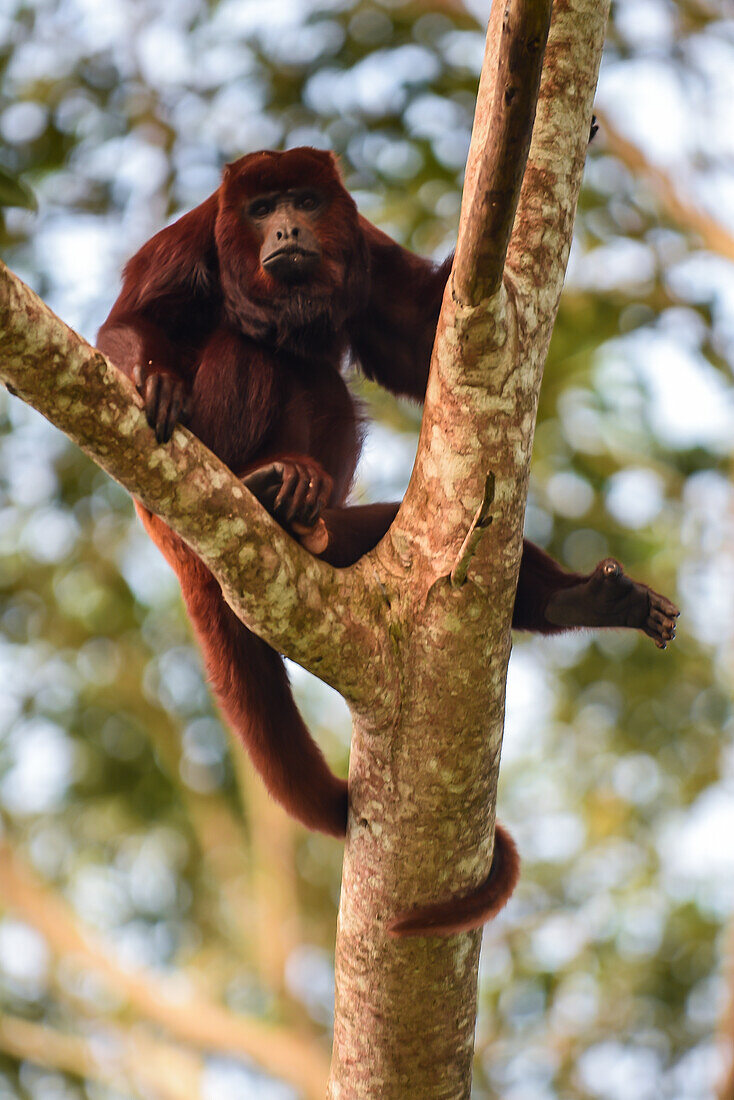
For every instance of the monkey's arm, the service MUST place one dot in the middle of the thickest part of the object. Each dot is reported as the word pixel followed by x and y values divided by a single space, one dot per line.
pixel 393 336
pixel 169 299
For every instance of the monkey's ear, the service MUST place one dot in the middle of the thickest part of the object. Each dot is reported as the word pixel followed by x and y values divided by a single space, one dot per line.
pixel 241 163
pixel 332 160
pixel 326 156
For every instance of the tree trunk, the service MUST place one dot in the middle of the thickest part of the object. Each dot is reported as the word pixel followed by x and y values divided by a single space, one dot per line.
pixel 423 775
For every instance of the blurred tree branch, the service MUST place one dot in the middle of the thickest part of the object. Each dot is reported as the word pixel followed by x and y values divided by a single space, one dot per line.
pixel 274 907
pixel 220 834
pixel 714 236
pixel 253 864
pixel 169 1003
pixel 112 1057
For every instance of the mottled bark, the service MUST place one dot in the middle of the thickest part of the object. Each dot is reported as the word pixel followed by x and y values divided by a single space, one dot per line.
pixel 490 205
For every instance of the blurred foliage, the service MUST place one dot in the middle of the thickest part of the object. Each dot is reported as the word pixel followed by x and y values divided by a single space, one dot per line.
pixel 13 192
pixel 117 782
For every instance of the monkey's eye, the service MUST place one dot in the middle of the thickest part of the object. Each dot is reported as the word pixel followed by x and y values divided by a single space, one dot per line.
pixel 260 208
pixel 308 200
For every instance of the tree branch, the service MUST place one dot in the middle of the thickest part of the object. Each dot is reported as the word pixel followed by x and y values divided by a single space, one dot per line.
pixel 680 208
pixel 192 1020
pixel 135 1062
pixel 489 213
pixel 541 239
pixel 424 792
pixel 321 617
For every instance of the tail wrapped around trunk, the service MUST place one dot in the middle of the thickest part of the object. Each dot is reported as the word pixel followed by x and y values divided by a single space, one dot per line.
pixel 473 910
pixel 252 689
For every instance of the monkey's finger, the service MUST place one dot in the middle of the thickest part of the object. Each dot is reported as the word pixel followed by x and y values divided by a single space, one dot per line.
pixel 138 376
pixel 171 417
pixel 661 635
pixel 294 507
pixel 264 482
pixel 175 405
pixel 661 630
pixel 290 477
pixel 311 503
pixel 163 422
pixel 152 399
pixel 661 603
pixel 163 411
pixel 297 506
pixel 319 493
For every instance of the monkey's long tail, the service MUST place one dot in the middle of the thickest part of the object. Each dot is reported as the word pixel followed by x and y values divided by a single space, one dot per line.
pixel 475 909
pixel 251 685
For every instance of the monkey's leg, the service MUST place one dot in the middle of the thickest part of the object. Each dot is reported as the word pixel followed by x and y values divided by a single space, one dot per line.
pixel 550 600
pixel 354 531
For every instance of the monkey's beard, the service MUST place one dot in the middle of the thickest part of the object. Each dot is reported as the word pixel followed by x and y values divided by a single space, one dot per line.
pixel 305 320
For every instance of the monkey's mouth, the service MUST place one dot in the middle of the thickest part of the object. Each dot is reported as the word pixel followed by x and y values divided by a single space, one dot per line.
pixel 291 263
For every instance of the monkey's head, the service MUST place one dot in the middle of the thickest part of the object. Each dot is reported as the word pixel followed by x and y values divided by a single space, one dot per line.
pixel 290 248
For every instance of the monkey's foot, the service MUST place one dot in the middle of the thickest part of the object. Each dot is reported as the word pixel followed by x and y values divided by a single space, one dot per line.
pixel 295 492
pixel 610 598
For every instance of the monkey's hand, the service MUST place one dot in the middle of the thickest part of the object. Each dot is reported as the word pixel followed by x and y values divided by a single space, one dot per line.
pixel 164 395
pixel 295 491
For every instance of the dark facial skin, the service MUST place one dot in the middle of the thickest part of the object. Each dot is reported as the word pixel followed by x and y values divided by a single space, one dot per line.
pixel 286 225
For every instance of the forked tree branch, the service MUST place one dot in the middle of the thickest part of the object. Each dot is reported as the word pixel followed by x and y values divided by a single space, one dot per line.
pixel 424 791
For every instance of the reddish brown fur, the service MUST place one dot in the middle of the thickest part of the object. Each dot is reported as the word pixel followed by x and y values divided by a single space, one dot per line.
pixel 255 362
pixel 473 910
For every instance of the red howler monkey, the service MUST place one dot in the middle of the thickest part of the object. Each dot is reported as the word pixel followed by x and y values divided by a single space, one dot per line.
pixel 237 319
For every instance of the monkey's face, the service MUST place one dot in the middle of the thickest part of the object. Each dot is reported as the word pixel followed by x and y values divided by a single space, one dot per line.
pixel 289 245
pixel 286 225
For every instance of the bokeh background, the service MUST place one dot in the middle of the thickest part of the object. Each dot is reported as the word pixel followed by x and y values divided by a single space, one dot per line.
pixel 156 911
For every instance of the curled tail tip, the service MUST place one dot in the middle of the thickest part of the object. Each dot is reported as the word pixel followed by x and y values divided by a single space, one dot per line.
pixel 464 914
